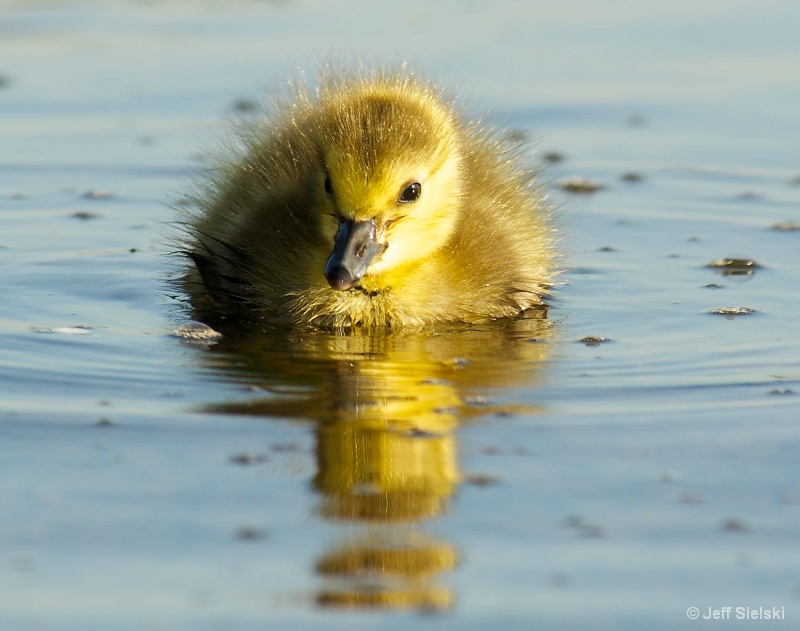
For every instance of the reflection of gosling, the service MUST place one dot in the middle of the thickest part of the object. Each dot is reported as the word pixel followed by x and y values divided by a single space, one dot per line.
pixel 370 202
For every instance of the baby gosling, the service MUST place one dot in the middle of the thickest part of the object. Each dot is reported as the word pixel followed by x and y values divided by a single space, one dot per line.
pixel 369 202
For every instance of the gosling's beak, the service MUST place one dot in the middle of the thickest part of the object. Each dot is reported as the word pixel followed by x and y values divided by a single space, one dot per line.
pixel 353 250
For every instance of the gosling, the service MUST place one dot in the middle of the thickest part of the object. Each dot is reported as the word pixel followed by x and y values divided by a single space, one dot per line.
pixel 369 202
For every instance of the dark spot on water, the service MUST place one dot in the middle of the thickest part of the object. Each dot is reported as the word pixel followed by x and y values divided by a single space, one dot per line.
pixel 553 157
pixel 105 422
pixel 733 524
pixel 491 451
pixel 636 120
pixel 580 185
pixel 246 459
pixel 782 391
pixel 245 106
pixel 631 177
pixel 607 248
pixel 795 181
pixel 535 340
pixel 594 340
pixel 504 414
pixel 84 215
pixel 714 286
pixel 5 81
pixel 748 195
pixel 481 479
pixel 251 533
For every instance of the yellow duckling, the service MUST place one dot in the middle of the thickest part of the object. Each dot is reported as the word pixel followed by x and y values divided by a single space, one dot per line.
pixel 370 202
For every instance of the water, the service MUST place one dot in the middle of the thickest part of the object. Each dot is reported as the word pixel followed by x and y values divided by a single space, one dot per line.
pixel 511 474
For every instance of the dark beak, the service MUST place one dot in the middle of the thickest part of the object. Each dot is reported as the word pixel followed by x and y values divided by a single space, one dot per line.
pixel 353 250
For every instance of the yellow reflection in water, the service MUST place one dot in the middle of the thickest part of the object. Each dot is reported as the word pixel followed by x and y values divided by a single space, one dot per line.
pixel 385 407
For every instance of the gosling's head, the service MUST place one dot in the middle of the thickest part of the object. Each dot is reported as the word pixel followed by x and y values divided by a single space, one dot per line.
pixel 389 181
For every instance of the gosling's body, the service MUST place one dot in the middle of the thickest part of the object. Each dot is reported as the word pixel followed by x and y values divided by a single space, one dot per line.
pixel 370 203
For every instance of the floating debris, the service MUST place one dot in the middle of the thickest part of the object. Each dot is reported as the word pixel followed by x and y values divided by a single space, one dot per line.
pixel 782 391
pixel 78 329
pixel 197 332
pixel 593 340
pixel 580 185
pixel 97 195
pixel 786 226
pixel 734 266
pixel 714 286
pixel 84 215
pixel 732 311
pixel 607 248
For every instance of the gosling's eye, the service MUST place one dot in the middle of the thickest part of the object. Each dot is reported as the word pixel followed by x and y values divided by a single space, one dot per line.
pixel 328 186
pixel 410 193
